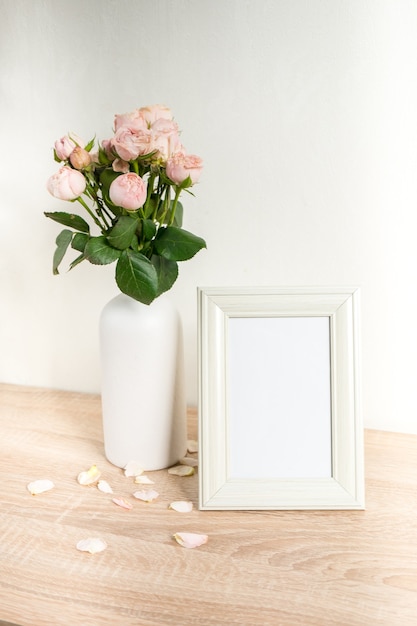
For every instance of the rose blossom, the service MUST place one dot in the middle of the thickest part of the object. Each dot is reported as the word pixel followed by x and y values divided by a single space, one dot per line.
pixel 128 191
pixel 66 183
pixel 132 120
pixel 165 138
pixel 129 143
pixel 65 145
pixel 80 158
pixel 155 112
pixel 181 165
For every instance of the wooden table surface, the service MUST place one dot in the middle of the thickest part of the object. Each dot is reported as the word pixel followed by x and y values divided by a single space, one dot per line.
pixel 278 568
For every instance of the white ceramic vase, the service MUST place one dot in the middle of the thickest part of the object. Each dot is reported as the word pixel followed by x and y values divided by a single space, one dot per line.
pixel 142 384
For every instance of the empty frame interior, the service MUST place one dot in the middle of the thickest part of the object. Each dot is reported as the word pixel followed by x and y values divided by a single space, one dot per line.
pixel 279 419
pixel 278 375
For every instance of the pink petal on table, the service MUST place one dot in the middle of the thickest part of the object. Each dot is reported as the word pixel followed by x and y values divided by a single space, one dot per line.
pixel 91 545
pixel 122 503
pixel 190 540
pixel 40 486
pixel 146 495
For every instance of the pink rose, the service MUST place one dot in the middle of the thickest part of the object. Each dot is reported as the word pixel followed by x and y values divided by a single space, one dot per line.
pixel 132 120
pixel 155 112
pixel 181 165
pixel 128 191
pixel 65 145
pixel 66 183
pixel 165 138
pixel 129 143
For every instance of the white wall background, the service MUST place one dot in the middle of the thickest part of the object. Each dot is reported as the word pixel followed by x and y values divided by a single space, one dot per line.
pixel 305 112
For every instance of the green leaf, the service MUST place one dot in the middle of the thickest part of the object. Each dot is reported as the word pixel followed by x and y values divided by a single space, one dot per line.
pixel 99 252
pixel 90 145
pixel 62 242
pixel 77 261
pixel 103 159
pixel 148 229
pixel 167 272
pixel 122 233
pixel 187 182
pixel 70 219
pixel 150 205
pixel 176 244
pixel 136 276
pixel 79 241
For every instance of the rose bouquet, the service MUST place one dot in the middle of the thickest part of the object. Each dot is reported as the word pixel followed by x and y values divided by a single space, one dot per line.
pixel 130 189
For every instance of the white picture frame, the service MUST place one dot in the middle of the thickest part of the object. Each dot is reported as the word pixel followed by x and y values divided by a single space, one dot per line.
pixel 279 415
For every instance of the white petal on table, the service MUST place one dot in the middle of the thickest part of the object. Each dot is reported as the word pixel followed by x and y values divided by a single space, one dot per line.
pixel 190 540
pixel 181 506
pixel 91 545
pixel 189 460
pixel 143 480
pixel 133 468
pixel 104 486
pixel 192 445
pixel 146 495
pixel 181 470
pixel 90 476
pixel 40 486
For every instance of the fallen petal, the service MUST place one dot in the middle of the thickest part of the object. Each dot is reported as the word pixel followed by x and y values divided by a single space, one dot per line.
pixel 91 545
pixel 104 486
pixel 39 486
pixel 192 445
pixel 181 470
pixel 146 496
pixel 133 468
pixel 189 460
pixel 90 476
pixel 190 540
pixel 123 503
pixel 181 506
pixel 143 480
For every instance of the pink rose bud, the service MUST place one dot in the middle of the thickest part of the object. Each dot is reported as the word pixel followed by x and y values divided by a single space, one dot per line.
pixel 80 158
pixel 65 145
pixel 128 191
pixel 66 183
pixel 181 165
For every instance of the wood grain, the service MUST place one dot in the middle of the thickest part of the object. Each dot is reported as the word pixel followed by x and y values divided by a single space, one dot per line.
pixel 278 568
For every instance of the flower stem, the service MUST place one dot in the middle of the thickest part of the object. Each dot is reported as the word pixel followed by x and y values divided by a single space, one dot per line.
pixel 174 205
pixel 89 211
pixel 149 191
